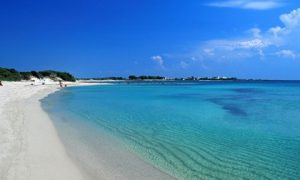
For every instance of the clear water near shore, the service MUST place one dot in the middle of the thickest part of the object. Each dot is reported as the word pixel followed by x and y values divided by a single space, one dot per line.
pixel 203 130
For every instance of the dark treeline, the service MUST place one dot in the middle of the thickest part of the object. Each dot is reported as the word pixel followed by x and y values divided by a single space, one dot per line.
pixel 131 77
pixel 137 78
pixel 9 75
pixel 13 75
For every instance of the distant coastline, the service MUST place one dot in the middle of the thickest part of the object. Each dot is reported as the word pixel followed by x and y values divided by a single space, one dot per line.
pixel 159 78
pixel 10 74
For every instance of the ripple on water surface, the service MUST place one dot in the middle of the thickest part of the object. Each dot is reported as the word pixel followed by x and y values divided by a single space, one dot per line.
pixel 199 131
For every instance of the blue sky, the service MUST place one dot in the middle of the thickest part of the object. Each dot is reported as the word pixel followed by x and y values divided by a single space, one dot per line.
pixel 96 38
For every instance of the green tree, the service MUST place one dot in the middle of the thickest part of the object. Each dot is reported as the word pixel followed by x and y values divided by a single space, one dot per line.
pixel 9 74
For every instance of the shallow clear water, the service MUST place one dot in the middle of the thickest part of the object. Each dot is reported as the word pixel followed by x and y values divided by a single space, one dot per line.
pixel 205 130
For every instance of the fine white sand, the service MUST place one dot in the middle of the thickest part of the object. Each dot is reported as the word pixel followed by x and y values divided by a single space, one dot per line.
pixel 31 149
pixel 29 145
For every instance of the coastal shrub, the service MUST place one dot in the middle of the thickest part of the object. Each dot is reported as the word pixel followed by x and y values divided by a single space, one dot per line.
pixel 66 76
pixel 25 75
pixel 46 73
pixel 9 75
pixel 54 74
pixel 49 73
pixel 132 77
pixel 116 78
pixel 36 74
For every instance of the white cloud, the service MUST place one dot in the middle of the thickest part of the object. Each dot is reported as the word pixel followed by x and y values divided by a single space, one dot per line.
pixel 256 32
pixel 252 44
pixel 275 31
pixel 159 60
pixel 292 19
pixel 230 49
pixel 276 40
pixel 286 54
pixel 184 64
pixel 209 51
pixel 248 4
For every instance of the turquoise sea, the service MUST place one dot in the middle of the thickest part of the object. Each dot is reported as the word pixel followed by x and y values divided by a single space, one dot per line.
pixel 191 130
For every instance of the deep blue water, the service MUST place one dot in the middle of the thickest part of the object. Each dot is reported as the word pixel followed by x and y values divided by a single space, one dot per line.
pixel 203 130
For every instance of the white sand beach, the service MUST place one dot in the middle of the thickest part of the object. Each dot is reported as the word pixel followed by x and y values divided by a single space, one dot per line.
pixel 29 145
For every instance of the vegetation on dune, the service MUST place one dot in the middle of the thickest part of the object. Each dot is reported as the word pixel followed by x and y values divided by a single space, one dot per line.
pixel 9 75
pixel 36 74
pixel 56 74
pixel 14 75
pixel 25 75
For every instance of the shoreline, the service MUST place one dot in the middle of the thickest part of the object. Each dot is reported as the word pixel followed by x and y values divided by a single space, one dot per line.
pixel 97 153
pixel 31 146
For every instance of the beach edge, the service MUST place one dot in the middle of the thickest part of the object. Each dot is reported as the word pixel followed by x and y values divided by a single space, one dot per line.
pixel 30 146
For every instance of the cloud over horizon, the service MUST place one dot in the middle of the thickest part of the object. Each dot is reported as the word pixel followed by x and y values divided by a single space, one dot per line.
pixel 247 4
pixel 158 60
pixel 280 41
